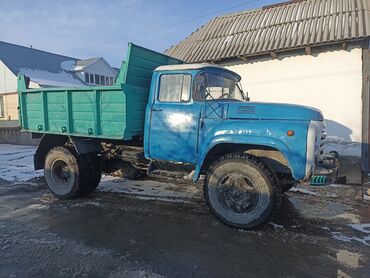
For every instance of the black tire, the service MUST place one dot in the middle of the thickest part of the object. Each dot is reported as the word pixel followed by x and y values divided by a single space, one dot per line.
pixel 64 173
pixel 286 187
pixel 241 191
pixel 91 164
pixel 286 182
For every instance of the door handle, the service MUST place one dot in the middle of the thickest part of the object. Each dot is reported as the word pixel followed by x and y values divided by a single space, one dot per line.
pixel 157 109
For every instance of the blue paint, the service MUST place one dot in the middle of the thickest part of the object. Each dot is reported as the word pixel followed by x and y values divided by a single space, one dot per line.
pixel 187 131
pixel 271 133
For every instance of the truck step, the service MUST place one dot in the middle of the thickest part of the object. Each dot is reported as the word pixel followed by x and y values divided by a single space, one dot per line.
pixel 168 174
pixel 167 169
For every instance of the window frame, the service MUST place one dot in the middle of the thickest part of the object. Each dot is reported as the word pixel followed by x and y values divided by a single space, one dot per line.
pixel 87 77
pixel 97 79
pixel 195 95
pixel 176 73
pixel 2 107
pixel 92 78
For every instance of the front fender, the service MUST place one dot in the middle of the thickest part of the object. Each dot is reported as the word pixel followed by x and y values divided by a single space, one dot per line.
pixel 269 134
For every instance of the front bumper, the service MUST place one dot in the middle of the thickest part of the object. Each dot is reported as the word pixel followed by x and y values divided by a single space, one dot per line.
pixel 327 170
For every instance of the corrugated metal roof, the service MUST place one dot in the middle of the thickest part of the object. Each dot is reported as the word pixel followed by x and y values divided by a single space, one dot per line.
pixel 295 24
pixel 44 68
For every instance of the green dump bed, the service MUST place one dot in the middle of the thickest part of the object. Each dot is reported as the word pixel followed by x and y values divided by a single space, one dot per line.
pixel 109 112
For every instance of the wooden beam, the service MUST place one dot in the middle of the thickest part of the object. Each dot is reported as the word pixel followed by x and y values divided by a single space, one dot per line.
pixel 273 55
pixel 243 58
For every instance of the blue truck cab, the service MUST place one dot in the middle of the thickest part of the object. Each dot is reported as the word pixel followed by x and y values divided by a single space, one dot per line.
pixel 198 110
pixel 197 114
pixel 164 116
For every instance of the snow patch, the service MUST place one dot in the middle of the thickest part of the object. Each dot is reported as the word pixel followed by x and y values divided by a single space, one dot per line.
pixel 150 189
pixel 364 240
pixel 276 226
pixel 84 204
pixel 364 228
pixel 16 163
pixel 335 185
pixel 68 65
pixel 57 79
pixel 303 191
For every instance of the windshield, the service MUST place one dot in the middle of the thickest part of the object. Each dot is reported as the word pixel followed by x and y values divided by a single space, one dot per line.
pixel 216 87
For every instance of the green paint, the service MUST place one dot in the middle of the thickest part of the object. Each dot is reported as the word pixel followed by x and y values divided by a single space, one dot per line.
pixel 319 180
pixel 110 112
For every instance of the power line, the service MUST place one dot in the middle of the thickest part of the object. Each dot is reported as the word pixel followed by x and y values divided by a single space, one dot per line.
pixel 163 27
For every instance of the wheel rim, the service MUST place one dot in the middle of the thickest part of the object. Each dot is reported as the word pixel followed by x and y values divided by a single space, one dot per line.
pixel 238 193
pixel 61 175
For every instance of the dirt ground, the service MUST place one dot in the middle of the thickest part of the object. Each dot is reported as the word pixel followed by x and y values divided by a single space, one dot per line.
pixel 122 230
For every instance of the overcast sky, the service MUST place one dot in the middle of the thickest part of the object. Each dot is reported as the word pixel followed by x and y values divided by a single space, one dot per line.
pixel 93 28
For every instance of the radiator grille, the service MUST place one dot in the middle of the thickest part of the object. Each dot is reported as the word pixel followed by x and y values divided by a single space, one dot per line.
pixel 246 110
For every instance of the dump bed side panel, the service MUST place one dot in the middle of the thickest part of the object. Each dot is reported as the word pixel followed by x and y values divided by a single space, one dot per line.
pixel 110 112
pixel 138 68
pixel 87 112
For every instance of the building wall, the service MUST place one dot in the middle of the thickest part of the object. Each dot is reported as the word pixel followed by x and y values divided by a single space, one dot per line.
pixel 330 81
pixel 8 90
pixel 10 106
pixel 101 68
pixel 8 81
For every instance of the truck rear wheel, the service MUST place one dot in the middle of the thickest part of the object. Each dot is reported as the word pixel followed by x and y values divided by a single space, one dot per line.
pixel 241 191
pixel 91 164
pixel 64 173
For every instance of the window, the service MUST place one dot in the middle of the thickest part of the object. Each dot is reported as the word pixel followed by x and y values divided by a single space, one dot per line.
pixel 91 78
pixel 107 81
pixel 217 86
pixel 97 79
pixel 87 78
pixel 111 80
pixel 2 114
pixel 102 80
pixel 175 88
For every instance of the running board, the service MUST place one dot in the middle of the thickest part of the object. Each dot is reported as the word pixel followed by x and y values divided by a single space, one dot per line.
pixel 168 169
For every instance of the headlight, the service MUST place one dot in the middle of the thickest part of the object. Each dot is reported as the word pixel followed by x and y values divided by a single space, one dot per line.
pixel 313 146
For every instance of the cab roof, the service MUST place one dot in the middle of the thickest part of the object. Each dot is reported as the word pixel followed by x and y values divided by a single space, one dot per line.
pixel 196 67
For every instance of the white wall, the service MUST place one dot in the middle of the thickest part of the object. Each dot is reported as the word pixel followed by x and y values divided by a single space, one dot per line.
pixel 8 90
pixel 99 67
pixel 330 81
pixel 8 81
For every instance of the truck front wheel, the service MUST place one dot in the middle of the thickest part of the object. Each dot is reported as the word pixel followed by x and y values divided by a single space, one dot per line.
pixel 64 173
pixel 241 191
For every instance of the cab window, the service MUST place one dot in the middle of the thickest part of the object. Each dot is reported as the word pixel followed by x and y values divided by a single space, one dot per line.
pixel 212 86
pixel 174 88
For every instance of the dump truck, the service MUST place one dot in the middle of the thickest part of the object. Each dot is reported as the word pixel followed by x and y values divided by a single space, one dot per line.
pixel 163 115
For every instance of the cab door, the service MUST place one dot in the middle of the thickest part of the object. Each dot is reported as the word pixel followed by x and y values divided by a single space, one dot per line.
pixel 174 123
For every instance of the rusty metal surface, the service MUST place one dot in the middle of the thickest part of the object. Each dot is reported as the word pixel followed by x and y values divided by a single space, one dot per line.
pixel 289 26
